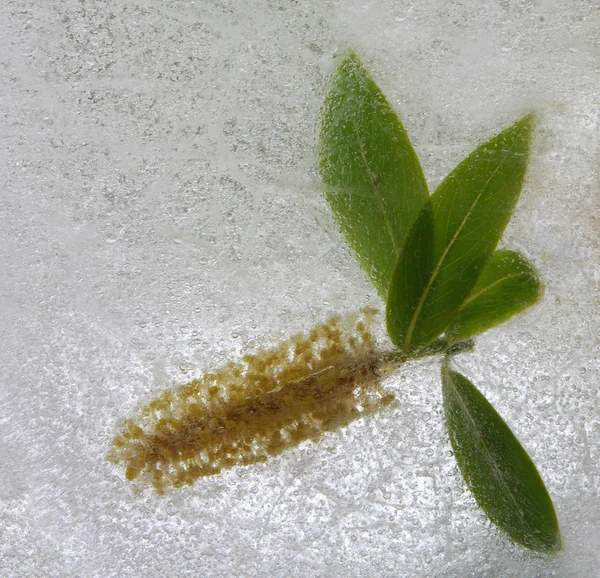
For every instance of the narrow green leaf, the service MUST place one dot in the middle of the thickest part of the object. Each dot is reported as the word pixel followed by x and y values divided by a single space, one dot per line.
pixel 471 209
pixel 412 273
pixel 508 285
pixel 373 179
pixel 496 468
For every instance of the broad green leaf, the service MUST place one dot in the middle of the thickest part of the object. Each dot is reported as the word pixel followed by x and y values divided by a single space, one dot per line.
pixel 508 285
pixel 373 179
pixel 471 209
pixel 496 468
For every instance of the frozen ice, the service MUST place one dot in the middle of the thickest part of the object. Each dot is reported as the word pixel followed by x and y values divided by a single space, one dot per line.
pixel 161 214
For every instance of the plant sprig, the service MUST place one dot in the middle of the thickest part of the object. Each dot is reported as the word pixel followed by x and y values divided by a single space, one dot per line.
pixel 433 259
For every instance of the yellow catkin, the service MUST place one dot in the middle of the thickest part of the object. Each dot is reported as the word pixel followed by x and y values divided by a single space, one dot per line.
pixel 246 412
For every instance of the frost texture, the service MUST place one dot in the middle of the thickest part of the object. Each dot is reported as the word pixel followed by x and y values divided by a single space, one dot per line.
pixel 159 218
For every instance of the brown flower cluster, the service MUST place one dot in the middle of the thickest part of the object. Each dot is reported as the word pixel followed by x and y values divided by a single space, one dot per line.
pixel 246 412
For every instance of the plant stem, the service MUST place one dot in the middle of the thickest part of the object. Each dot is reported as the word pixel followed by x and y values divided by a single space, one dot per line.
pixel 437 347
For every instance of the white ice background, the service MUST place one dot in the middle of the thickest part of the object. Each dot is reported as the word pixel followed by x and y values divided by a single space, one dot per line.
pixel 160 213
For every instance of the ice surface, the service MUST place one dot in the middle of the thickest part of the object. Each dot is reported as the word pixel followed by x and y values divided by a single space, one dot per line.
pixel 160 214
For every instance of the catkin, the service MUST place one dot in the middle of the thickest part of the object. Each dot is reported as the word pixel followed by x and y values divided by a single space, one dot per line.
pixel 248 411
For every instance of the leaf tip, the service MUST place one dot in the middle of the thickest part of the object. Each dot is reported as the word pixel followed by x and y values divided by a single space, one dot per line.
pixel 546 543
pixel 526 124
pixel 528 119
pixel 347 58
pixel 556 545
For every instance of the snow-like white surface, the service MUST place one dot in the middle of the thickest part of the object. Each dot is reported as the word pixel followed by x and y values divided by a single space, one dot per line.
pixel 160 213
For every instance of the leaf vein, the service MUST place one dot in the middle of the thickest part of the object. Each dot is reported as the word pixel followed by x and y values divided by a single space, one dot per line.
pixel 361 147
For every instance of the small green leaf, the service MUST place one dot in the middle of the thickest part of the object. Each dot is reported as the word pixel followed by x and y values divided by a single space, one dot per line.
pixel 508 285
pixel 373 179
pixel 496 468
pixel 471 209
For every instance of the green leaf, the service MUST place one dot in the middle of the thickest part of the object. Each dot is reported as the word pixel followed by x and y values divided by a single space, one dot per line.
pixel 471 209
pixel 508 285
pixel 373 179
pixel 496 468
pixel 413 271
